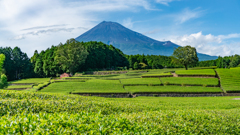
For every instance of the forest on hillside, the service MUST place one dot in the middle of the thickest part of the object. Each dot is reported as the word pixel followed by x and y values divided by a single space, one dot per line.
pixel 99 56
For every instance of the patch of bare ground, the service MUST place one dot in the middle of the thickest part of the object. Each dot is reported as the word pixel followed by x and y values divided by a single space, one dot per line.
pixel 174 75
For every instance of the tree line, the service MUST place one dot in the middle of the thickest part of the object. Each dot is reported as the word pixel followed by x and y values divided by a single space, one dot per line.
pixel 17 65
pixel 74 56
pixel 222 62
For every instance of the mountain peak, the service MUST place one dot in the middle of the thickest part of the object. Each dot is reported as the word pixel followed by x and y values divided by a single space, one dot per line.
pixel 107 22
pixel 130 42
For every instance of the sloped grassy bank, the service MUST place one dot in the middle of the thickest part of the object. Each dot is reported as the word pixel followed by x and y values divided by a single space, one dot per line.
pixel 40 113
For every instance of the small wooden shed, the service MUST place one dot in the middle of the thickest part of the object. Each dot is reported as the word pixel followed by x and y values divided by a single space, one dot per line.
pixel 65 75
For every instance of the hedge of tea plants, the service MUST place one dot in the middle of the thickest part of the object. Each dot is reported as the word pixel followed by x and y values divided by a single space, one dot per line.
pixel 43 113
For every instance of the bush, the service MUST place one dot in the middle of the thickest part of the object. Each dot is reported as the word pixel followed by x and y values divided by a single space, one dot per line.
pixel 3 83
pixel 166 83
pixel 204 85
pixel 136 66
pixel 40 86
pixel 79 74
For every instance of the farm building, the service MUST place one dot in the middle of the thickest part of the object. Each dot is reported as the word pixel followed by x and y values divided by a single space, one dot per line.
pixel 65 75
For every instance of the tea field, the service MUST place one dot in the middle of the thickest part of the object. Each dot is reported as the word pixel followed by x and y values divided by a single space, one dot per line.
pixel 117 83
pixel 48 107
pixel 45 113
pixel 172 89
pixel 230 79
pixel 140 81
pixel 90 86
pixel 190 81
pixel 196 72
pixel 30 81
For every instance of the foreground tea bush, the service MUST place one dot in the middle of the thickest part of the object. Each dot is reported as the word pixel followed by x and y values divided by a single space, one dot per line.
pixel 163 122
pixel 40 113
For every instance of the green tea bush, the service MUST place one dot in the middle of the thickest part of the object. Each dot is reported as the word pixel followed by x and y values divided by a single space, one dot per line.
pixel 40 86
pixel 166 83
pixel 209 72
pixel 204 85
pixel 190 80
pixel 41 113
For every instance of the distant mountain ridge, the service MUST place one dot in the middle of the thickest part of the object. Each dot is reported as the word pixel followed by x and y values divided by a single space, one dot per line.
pixel 131 42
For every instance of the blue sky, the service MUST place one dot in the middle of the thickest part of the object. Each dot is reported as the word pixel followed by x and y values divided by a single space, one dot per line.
pixel 212 26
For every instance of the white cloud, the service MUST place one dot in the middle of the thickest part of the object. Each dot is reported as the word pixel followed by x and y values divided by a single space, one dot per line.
pixel 42 27
pixel 37 32
pixel 164 2
pixel 210 44
pixel 235 35
pixel 19 37
pixel 187 14
pixel 42 23
pixel 128 23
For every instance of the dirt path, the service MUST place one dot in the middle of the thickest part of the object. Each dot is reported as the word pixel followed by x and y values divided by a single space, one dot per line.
pixel 174 75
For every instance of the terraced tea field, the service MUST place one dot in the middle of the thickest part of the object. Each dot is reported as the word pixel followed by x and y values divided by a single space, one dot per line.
pixel 90 86
pixel 207 72
pixel 31 81
pixel 190 81
pixel 157 75
pixel 49 108
pixel 13 87
pixel 136 81
pixel 230 79
pixel 118 83
pixel 172 89
pixel 26 84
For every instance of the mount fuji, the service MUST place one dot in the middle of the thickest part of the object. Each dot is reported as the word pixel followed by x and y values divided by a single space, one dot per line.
pixel 131 42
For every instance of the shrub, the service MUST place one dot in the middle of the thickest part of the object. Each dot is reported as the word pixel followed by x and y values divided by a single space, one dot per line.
pixel 166 83
pixel 79 74
pixel 40 86
pixel 183 85
pixel 3 83
pixel 204 85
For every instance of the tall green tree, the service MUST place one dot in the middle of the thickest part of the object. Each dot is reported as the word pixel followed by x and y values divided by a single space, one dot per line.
pixel 71 55
pixel 17 64
pixel 136 65
pixel 3 77
pixel 185 56
pixel 2 59
pixel 235 61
